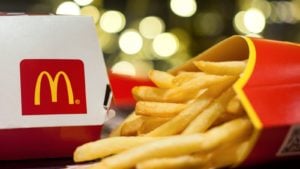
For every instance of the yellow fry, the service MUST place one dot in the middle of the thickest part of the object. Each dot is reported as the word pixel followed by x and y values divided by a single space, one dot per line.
pixel 206 118
pixel 180 121
pixel 150 123
pixel 130 128
pixel 221 68
pixel 184 77
pixel 161 79
pixel 179 145
pixel 117 130
pixel 158 109
pixel 149 93
pixel 232 131
pixel 167 147
pixel 181 162
pixel 234 106
pixel 229 155
pixel 224 117
pixel 108 146
pixel 191 88
pixel 183 93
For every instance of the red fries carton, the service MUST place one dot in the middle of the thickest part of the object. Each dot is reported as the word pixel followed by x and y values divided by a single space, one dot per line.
pixel 269 90
pixel 53 85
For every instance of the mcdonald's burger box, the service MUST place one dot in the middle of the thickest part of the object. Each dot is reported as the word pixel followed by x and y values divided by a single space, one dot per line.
pixel 53 85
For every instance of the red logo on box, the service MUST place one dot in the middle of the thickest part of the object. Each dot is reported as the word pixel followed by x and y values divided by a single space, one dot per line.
pixel 52 86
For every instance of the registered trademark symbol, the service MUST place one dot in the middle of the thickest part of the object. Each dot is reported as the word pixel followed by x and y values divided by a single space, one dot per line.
pixel 77 101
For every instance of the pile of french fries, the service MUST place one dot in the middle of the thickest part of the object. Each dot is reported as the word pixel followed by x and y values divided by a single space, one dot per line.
pixel 188 120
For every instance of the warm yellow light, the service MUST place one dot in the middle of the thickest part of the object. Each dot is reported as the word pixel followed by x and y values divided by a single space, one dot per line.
pixel 254 20
pixel 239 22
pixel 68 8
pixel 124 67
pixel 151 26
pixel 165 44
pixel 91 11
pixel 130 42
pixel 112 21
pixel 83 2
pixel 184 8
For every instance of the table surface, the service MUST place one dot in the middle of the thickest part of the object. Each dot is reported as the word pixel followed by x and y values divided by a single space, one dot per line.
pixel 62 163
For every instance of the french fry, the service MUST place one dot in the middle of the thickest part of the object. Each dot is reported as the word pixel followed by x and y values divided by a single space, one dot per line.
pixel 189 120
pixel 158 109
pixel 149 93
pixel 168 147
pixel 221 68
pixel 109 146
pixel 206 118
pixel 181 93
pixel 184 77
pixel 234 106
pixel 150 123
pixel 181 162
pixel 179 145
pixel 228 132
pixel 179 122
pixel 130 128
pixel 161 79
pixel 117 130
pixel 224 117
pixel 228 156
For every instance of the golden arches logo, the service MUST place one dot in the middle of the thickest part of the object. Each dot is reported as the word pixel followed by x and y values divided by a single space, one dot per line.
pixel 53 83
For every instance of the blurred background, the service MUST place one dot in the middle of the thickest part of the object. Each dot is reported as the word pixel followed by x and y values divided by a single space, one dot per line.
pixel 138 35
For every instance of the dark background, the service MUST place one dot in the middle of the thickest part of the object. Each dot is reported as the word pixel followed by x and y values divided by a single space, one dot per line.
pixel 282 24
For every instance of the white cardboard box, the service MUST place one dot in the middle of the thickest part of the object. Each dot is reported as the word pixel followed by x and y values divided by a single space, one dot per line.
pixel 53 85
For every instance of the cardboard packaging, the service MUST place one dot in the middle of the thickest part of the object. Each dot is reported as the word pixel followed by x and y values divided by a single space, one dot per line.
pixel 53 89
pixel 269 90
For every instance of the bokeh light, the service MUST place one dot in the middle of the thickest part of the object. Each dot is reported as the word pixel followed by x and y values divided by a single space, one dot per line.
pixel 112 21
pixel 239 24
pixel 165 44
pixel 254 20
pixel 130 42
pixel 91 11
pixel 151 26
pixel 251 21
pixel 183 8
pixel 124 68
pixel 68 8
pixel 83 2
